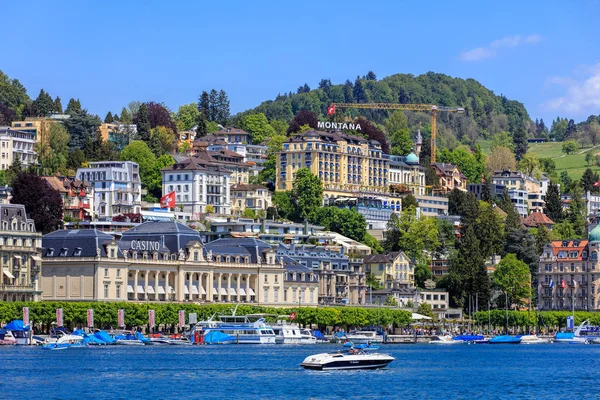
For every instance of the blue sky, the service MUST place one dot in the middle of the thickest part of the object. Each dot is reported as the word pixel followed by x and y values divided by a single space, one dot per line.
pixel 107 53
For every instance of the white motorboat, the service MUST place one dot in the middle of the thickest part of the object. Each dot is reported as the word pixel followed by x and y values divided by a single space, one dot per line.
pixel 364 337
pixel 534 339
pixel 63 341
pixel 340 361
pixel 446 340
pixel 290 333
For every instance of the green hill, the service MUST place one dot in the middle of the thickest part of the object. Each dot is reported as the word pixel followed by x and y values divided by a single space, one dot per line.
pixel 574 164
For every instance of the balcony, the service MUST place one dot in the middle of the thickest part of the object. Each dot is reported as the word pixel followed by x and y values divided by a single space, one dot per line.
pixel 18 288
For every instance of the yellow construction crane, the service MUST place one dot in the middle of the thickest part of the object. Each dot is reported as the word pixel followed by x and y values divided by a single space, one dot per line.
pixel 405 107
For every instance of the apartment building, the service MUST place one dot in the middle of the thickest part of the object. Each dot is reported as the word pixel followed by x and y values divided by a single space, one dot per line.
pixel 406 174
pixel 77 197
pixel 254 197
pixel 450 177
pixel 392 270
pixel 117 187
pixel 16 144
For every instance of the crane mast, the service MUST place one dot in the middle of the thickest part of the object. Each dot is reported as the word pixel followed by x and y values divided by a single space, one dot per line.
pixel 404 107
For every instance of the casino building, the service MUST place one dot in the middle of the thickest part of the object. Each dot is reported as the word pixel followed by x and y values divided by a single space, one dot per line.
pixel 163 261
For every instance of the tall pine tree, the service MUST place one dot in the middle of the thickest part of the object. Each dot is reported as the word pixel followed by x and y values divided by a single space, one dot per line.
pixel 57 106
pixel 204 104
pixel 143 123
pixel 109 118
pixel 553 208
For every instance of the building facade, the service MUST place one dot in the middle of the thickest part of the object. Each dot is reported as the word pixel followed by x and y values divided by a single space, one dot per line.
pixel 517 183
pixel 77 197
pixel 20 255
pixel 249 196
pixel 15 144
pixel 198 183
pixel 433 205
pixel 569 274
pixel 494 190
pixel 161 261
pixel 406 174
pixel 117 133
pixel 345 164
pixel 450 177
pixel 392 270
pixel 117 187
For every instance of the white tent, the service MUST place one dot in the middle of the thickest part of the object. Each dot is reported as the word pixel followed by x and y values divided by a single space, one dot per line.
pixel 417 317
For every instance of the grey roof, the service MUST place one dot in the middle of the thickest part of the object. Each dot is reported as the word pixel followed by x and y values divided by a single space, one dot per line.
pixel 253 247
pixel 8 212
pixel 88 240
pixel 381 258
pixel 171 234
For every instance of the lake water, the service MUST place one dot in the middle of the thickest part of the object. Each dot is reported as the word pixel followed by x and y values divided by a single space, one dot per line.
pixel 252 372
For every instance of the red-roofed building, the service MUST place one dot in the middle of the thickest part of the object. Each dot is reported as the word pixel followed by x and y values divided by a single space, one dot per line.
pixel 537 219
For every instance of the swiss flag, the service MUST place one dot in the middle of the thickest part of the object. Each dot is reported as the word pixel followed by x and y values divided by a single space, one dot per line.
pixel 168 200
pixel 596 184
pixel 331 109
pixel 563 284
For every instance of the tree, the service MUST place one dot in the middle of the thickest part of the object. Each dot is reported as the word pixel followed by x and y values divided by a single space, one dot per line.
pixel 209 209
pixel 564 231
pixel 73 107
pixel 530 165
pixel 75 159
pixel 373 133
pixel 502 139
pixel 553 207
pixel 512 276
pixel 274 145
pixel 471 164
pixel 139 152
pixel 418 236
pixel 467 273
pixel 304 117
pixel 341 220
pixel 53 152
pixel 360 96
pixel 162 140
pixel 348 92
pixel 159 115
pixel 57 108
pixel 213 106
pixel 126 117
pixel 186 116
pixel 588 180
pixel 392 234
pixel 426 310
pixel 391 301
pixel 141 119
pixel 307 194
pixel 577 212
pixel 81 126
pixel 456 202
pixel 42 203
pixel 14 170
pixel 43 104
pixel 570 146
pixel 409 201
pixel 249 213
pixel 282 202
pixel 109 118
pixel 373 282
pixel 489 228
pixel 258 126
pixel 520 141
pixel 201 125
pixel 222 113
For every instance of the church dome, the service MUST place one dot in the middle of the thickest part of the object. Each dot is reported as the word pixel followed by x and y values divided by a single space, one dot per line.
pixel 412 158
pixel 595 234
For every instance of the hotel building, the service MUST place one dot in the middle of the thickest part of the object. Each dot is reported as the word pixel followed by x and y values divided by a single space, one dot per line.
pixel 17 144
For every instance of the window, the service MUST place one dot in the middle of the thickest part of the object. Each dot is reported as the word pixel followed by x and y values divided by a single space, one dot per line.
pixel 112 253
pixel 106 290
pixel 276 279
pixel 195 256
pixel 118 291
pixel 63 252
pixel 428 297
pixel 443 297
pixel 266 295
pixel 312 295
pixel 105 272
pixel 266 279
pixel 294 295
pixel 276 295
pixel 118 274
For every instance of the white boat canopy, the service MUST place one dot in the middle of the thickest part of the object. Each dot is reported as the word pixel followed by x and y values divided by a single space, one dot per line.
pixel 416 316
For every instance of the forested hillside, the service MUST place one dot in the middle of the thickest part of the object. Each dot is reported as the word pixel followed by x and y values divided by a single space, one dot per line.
pixel 485 112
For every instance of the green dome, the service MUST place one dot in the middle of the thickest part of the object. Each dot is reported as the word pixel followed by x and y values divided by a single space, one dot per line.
pixel 595 234
pixel 412 158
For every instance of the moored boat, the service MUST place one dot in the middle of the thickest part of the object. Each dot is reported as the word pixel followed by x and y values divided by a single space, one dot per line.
pixel 343 361
pixel 534 339
pixel 446 340
pixel 7 338
pixel 505 339
pixel 358 337
pixel 65 341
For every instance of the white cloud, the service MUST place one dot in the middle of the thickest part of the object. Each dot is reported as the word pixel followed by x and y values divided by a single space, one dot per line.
pixel 490 50
pixel 582 96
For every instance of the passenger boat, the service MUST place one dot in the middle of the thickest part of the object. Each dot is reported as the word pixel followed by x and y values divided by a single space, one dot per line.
pixel 241 327
pixel 342 361
pixel 19 331
pixel 446 340
pixel 7 338
pixel 358 337
pixel 62 339
pixel 505 339
pixel 534 339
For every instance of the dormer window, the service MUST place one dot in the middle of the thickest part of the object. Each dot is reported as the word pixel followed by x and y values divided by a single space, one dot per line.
pixel 196 256
pixel 166 256
pixel 77 252
pixel 50 252
pixel 63 252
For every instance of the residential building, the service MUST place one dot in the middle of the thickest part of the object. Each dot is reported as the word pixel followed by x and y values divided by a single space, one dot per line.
pixel 39 126
pixel 340 283
pixel 450 177
pixel 270 231
pixel 377 211
pixel 406 175
pixel 568 275
pixel 15 144
pixel 391 270
pixel 254 155
pixel 198 182
pixel 433 205
pixel 229 160
pixel 520 199
pixel 404 296
pixel 345 164
pixel 477 189
pixel 186 137
pixel 246 196
pixel 77 197
pixel 117 133
pixel 592 202
pixel 161 262
pixel 439 299
pixel 519 182
pixel 234 135
pixel 537 219
pixel 440 263
pixel 20 247
pixel 117 187
pixel 299 280
pixel 5 194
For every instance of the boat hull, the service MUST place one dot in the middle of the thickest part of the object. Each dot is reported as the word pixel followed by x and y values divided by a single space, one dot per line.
pixel 342 365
